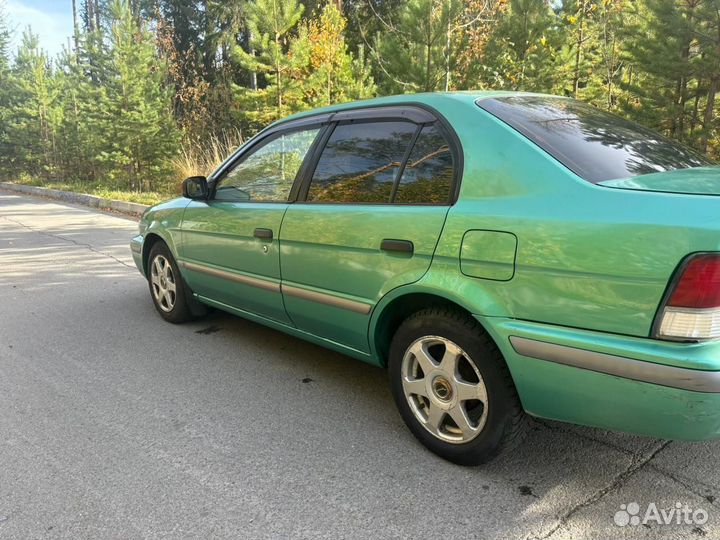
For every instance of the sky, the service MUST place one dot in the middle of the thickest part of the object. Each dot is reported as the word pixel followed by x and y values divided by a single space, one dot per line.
pixel 51 20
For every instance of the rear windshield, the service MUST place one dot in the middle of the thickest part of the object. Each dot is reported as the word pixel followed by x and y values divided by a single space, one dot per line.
pixel 594 144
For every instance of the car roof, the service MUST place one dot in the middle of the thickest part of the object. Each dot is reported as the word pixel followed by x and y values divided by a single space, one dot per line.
pixel 432 99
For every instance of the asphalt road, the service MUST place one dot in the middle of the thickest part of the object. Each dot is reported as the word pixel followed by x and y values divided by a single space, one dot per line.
pixel 115 424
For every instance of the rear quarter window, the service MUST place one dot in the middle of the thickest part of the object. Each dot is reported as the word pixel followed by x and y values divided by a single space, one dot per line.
pixel 428 174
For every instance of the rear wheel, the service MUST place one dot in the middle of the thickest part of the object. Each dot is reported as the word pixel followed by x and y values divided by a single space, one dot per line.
pixel 167 288
pixel 452 387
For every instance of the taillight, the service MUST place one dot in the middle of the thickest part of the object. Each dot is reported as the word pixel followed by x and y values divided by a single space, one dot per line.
pixel 692 308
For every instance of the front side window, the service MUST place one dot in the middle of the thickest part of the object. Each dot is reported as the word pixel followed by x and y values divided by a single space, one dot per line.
pixel 360 162
pixel 594 144
pixel 268 173
pixel 428 174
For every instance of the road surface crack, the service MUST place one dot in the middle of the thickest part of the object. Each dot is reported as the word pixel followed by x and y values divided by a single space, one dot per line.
pixel 70 240
pixel 689 484
pixel 637 463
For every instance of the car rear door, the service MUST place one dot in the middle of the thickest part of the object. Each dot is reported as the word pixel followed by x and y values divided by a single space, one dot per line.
pixel 368 218
pixel 230 249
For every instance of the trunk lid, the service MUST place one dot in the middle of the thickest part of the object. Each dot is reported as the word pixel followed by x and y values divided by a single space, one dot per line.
pixel 694 181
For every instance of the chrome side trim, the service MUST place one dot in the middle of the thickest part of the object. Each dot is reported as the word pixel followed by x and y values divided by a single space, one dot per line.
pixel 620 366
pixel 232 276
pixel 327 299
pixel 305 294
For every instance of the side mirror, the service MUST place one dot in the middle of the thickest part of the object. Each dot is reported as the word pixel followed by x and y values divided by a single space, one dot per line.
pixel 195 187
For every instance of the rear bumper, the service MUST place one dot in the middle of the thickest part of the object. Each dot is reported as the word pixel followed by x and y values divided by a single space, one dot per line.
pixel 136 247
pixel 662 389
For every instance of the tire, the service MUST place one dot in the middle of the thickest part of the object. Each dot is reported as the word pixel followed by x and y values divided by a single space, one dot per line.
pixel 168 290
pixel 453 388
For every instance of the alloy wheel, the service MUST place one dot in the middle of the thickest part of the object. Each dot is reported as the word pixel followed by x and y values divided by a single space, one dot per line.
pixel 444 389
pixel 163 283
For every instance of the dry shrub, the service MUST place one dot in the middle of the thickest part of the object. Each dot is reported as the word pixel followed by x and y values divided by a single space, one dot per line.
pixel 201 157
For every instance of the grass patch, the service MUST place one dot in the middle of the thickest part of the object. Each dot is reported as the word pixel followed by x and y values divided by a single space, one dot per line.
pixel 145 197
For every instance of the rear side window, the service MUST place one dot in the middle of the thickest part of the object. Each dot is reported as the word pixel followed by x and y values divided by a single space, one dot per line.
pixel 594 144
pixel 428 174
pixel 360 162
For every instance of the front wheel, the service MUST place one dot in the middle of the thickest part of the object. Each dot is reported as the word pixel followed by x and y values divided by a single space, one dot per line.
pixel 452 387
pixel 167 288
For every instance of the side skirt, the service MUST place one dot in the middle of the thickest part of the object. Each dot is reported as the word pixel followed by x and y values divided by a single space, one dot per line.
pixel 295 332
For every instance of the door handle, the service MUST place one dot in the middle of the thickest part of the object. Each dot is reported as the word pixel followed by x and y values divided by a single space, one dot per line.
pixel 265 234
pixel 401 246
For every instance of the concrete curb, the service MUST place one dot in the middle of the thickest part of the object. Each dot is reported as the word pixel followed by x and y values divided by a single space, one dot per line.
pixel 77 198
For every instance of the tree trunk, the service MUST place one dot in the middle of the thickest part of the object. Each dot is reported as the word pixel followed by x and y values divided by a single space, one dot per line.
pixel 76 32
pixel 90 15
pixel 428 64
pixel 682 90
pixel 526 46
pixel 578 51
pixel 253 73
pixel 696 104
pixel 97 16
pixel 278 80
pixel 709 108
pixel 447 58
pixel 608 57
pixel 682 99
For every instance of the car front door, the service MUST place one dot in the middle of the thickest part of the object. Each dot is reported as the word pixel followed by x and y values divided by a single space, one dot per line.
pixel 230 251
pixel 367 220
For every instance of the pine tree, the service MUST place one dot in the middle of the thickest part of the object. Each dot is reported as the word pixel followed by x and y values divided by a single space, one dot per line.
pixel 333 74
pixel 184 24
pixel 577 54
pixel 521 52
pixel 84 103
pixel 366 18
pixel 708 40
pixel 91 14
pixel 592 60
pixel 5 89
pixel 270 23
pixel 5 36
pixel 666 60
pixel 141 74
pixel 140 133
pixel 612 19
pixel 126 78
pixel 416 52
pixel 31 118
pixel 481 17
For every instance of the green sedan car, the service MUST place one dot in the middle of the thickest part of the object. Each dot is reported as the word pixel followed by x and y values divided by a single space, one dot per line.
pixel 502 254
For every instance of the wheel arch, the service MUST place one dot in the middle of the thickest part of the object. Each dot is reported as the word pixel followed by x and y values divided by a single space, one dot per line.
pixel 197 309
pixel 149 241
pixel 391 312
